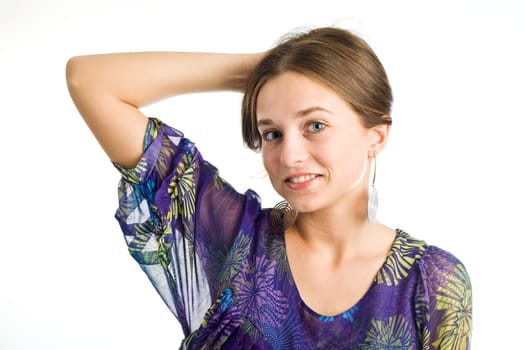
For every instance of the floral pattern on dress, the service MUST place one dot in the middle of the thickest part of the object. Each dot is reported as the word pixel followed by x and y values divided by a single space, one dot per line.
pixel 392 333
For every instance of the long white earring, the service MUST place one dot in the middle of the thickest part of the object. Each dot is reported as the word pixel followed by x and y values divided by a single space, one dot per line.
pixel 372 195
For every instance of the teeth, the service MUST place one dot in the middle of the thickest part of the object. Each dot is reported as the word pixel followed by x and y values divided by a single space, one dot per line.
pixel 301 179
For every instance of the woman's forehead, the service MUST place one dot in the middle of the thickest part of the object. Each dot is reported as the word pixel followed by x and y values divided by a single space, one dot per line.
pixel 295 93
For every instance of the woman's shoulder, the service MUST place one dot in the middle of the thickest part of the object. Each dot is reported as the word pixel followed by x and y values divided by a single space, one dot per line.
pixel 429 255
pixel 437 266
pixel 432 262
pixel 438 261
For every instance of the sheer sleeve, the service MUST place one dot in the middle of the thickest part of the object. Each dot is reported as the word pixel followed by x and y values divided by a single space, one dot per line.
pixel 444 302
pixel 179 219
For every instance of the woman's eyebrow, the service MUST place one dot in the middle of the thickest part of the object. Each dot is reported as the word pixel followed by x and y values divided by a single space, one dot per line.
pixel 309 110
pixel 265 121
pixel 300 114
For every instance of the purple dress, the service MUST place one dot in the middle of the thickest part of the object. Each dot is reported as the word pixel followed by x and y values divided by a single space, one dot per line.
pixel 223 272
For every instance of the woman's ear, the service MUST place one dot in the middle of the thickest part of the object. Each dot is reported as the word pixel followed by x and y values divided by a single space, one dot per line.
pixel 378 136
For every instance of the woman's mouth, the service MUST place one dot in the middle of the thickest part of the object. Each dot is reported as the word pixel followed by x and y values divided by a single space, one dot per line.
pixel 301 179
pixel 300 182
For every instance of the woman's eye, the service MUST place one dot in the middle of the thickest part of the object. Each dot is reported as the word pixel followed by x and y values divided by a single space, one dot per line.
pixel 316 126
pixel 271 135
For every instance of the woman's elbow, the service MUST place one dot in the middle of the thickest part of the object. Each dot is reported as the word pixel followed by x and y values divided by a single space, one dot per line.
pixel 74 73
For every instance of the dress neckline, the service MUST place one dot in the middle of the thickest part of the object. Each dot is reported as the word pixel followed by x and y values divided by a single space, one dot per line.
pixel 395 247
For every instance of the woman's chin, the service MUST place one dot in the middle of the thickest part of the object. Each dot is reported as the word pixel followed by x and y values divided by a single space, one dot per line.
pixel 302 207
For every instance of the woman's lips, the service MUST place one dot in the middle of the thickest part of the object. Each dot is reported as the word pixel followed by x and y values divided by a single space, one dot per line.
pixel 300 181
pixel 301 178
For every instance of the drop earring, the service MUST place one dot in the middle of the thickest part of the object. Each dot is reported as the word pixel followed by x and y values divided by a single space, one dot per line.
pixel 372 195
pixel 282 216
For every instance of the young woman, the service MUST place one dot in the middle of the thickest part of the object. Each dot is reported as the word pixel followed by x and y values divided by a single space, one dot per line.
pixel 318 272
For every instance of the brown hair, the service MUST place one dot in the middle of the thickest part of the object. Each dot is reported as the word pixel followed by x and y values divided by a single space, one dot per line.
pixel 333 57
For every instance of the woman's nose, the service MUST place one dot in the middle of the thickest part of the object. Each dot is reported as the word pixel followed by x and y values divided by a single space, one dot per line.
pixel 293 150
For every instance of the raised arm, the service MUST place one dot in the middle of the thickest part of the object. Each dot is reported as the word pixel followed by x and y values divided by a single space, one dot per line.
pixel 109 89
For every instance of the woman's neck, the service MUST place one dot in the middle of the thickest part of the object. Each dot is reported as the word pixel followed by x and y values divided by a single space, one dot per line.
pixel 340 231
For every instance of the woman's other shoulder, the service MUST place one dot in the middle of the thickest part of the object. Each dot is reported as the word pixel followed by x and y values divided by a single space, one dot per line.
pixel 438 262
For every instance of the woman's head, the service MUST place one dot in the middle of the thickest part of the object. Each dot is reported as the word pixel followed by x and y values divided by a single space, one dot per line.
pixel 332 57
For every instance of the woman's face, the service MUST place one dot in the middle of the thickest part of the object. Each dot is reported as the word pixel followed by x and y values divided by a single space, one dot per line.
pixel 314 147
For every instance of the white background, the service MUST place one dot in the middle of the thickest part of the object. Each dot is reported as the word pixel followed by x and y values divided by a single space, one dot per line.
pixel 451 174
